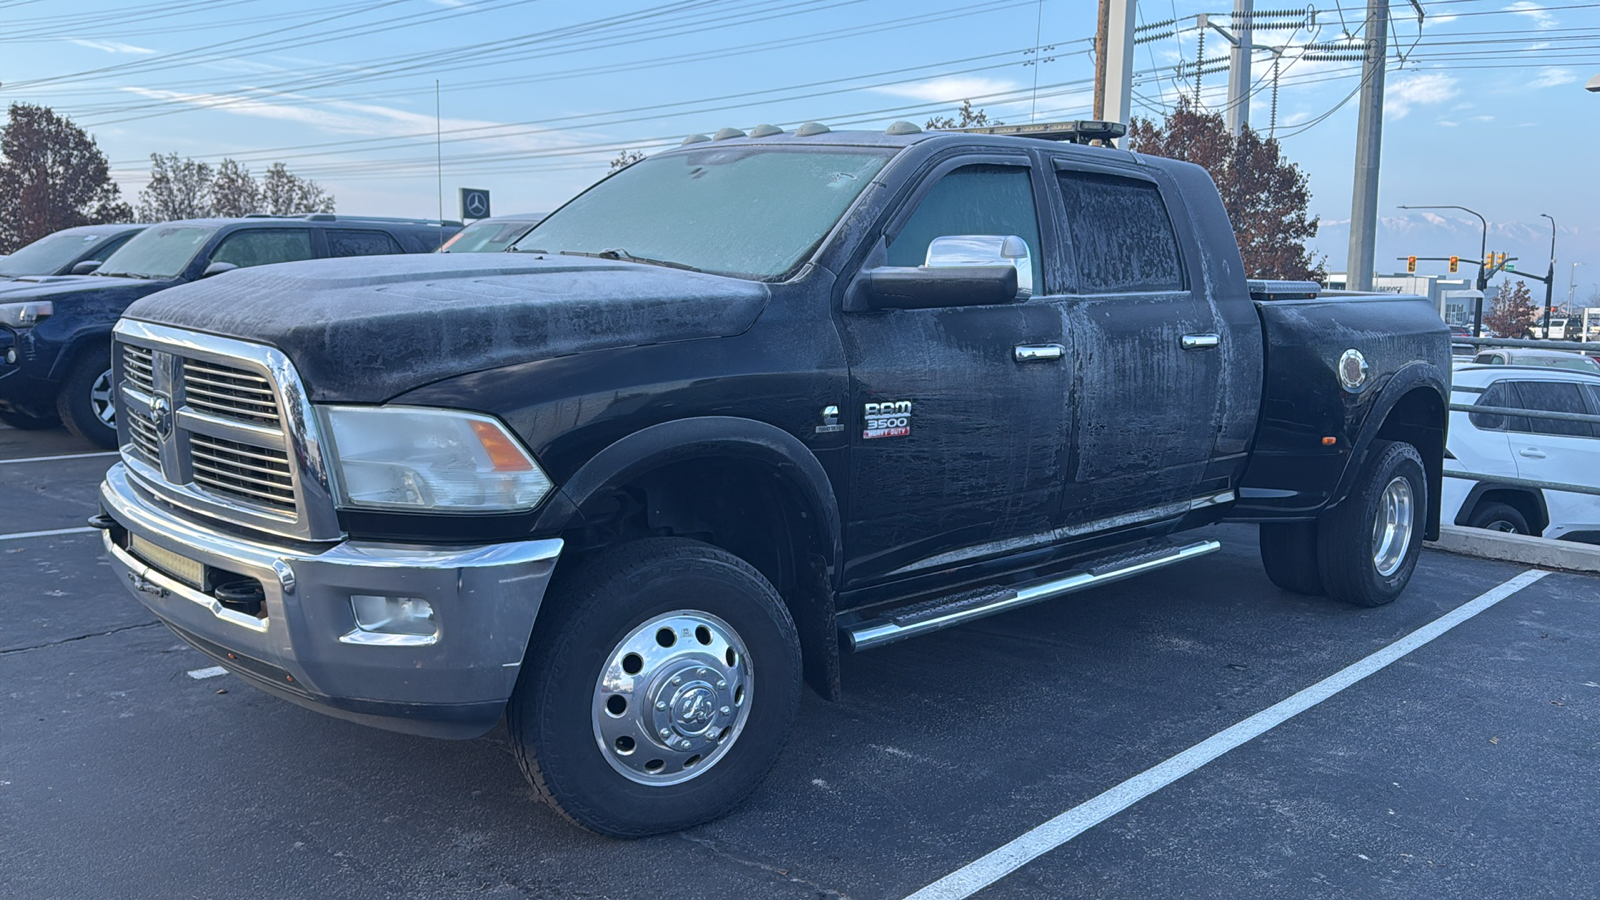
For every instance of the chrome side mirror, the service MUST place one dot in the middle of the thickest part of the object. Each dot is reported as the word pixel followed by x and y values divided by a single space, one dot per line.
pixel 984 250
pixel 217 268
pixel 86 267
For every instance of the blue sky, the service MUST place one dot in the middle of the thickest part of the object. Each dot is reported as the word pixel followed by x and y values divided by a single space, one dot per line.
pixel 1486 110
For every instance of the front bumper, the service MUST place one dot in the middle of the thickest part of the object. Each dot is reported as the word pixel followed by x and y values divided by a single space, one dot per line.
pixel 305 646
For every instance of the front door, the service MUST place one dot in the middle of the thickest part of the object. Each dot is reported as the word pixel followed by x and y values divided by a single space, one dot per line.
pixel 957 447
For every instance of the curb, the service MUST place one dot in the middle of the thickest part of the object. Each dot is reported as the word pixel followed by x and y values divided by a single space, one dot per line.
pixel 1518 548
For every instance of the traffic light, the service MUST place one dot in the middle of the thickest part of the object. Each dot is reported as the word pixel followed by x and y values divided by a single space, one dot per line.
pixel 1455 263
pixel 1488 263
pixel 1411 264
pixel 1500 260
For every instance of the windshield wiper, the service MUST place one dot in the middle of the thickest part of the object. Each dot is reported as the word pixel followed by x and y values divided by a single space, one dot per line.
pixel 139 275
pixel 625 256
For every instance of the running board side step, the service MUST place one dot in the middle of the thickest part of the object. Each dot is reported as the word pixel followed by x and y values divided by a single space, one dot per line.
pixel 897 625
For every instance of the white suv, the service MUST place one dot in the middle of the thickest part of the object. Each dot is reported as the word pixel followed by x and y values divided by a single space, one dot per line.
pixel 1521 448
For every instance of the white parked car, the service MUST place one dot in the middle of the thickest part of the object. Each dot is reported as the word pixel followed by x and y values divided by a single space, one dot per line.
pixel 1500 446
pixel 1560 359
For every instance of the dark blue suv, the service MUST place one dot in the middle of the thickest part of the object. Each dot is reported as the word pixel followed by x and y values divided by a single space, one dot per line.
pixel 60 253
pixel 55 334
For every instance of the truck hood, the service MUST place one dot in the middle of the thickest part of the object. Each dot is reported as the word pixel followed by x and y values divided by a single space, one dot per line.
pixel 368 329
pixel 50 287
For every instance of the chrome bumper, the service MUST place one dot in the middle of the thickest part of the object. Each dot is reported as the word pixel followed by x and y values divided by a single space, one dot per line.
pixel 307 648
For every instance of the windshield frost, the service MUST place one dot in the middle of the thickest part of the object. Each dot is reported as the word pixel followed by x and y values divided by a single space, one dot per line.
pixel 48 254
pixel 751 212
pixel 160 251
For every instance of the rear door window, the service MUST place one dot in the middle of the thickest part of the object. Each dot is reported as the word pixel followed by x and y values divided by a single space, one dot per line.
pixel 1499 394
pixel 1122 238
pixel 361 243
pixel 259 248
pixel 1558 397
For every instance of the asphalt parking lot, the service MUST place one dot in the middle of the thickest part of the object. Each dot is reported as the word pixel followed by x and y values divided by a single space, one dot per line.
pixel 1464 768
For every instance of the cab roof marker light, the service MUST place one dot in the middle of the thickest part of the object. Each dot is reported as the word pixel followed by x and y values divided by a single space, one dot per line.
pixel 761 131
pixel 695 139
pixel 902 127
pixel 811 128
pixel 725 134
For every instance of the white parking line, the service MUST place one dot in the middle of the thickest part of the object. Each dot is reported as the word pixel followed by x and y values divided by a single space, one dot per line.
pixel 209 672
pixel 997 864
pixel 32 459
pixel 52 532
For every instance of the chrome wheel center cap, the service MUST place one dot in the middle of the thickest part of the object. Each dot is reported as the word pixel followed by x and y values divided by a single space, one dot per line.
pixel 694 709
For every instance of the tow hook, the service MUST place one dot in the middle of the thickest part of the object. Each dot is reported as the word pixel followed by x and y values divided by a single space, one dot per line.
pixel 101 521
pixel 144 585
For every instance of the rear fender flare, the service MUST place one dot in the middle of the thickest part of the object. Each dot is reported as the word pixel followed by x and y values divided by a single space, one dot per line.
pixel 1407 379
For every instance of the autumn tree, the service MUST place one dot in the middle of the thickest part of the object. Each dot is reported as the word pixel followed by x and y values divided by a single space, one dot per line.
pixel 1266 196
pixel 1512 313
pixel 178 189
pixel 284 193
pixel 623 160
pixel 52 176
pixel 965 117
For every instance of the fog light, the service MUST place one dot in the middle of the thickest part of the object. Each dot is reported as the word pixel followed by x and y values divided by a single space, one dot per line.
pixel 393 615
pixel 11 356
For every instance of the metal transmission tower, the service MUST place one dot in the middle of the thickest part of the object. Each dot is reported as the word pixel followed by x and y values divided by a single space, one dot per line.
pixel 1369 149
pixel 1238 110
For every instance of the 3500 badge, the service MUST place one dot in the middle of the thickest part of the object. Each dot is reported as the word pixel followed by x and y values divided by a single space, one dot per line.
pixel 889 419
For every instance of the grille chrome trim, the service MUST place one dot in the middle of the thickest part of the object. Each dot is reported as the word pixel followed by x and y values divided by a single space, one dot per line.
pixel 245 445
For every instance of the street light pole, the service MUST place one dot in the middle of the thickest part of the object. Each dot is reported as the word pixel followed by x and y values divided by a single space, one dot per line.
pixel 1550 274
pixel 1483 250
pixel 1571 273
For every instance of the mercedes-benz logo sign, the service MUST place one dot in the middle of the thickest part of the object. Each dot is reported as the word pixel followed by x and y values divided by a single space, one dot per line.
pixel 161 416
pixel 475 204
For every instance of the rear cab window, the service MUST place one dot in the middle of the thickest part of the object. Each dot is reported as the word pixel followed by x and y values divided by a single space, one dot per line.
pixel 1120 234
pixel 263 247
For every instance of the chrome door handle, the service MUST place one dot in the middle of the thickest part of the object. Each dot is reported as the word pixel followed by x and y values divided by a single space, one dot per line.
pixel 1201 341
pixel 1532 452
pixel 1034 352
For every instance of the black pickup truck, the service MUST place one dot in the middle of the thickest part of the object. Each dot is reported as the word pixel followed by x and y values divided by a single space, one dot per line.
pixel 739 408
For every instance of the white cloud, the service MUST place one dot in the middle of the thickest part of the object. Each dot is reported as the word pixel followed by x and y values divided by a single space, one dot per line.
pixel 1417 90
pixel 1483 118
pixel 1551 76
pixel 1446 123
pixel 1541 17
pixel 949 90
pixel 110 46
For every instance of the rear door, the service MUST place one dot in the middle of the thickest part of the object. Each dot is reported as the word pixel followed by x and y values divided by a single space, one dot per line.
pixel 1148 379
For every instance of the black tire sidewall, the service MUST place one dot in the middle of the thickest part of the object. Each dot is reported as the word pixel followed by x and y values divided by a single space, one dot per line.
pixel 554 722
pixel 1490 512
pixel 76 406
pixel 1344 537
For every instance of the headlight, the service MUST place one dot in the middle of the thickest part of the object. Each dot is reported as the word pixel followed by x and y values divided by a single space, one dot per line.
pixel 414 458
pixel 22 315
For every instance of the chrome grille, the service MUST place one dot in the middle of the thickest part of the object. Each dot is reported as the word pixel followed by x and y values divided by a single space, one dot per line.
pixel 138 369
pixel 231 392
pixel 259 475
pixel 145 441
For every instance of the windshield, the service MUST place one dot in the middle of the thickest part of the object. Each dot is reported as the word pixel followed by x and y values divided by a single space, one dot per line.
pixel 486 237
pixel 751 212
pixel 1575 361
pixel 48 255
pixel 160 251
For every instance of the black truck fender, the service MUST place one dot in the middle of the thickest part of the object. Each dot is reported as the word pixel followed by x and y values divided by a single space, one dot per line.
pixel 1410 407
pixel 796 469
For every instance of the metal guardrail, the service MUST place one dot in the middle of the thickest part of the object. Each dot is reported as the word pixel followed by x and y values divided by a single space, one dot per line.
pixel 1589 347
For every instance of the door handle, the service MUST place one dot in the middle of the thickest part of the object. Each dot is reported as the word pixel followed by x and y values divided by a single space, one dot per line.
pixel 1531 452
pixel 1037 352
pixel 1201 341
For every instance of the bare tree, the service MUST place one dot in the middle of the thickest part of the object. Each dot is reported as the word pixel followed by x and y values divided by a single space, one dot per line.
pixel 1266 195
pixel 965 117
pixel 178 189
pixel 52 176
pixel 284 193
pixel 624 159
pixel 233 191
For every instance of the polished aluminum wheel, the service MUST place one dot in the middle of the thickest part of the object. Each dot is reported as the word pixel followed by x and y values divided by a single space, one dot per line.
pixel 100 400
pixel 1392 527
pixel 673 697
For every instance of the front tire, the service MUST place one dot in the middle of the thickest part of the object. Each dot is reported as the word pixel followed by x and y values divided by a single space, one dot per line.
pixel 659 689
pixel 86 402
pixel 1367 546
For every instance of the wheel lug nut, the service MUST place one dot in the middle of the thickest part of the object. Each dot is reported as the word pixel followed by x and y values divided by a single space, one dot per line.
pixel 700 671
pixel 721 684
pixel 726 710
pixel 666 733
pixel 661 704
pixel 676 679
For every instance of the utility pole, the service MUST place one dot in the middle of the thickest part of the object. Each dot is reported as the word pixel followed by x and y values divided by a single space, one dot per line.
pixel 1100 60
pixel 1369 149
pixel 1238 111
pixel 1119 59
pixel 1550 275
